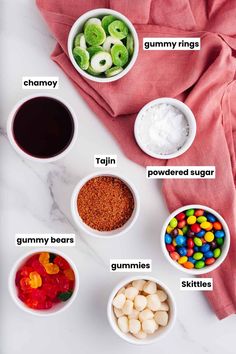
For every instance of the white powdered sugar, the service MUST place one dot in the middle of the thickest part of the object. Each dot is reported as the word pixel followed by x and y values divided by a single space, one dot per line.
pixel 163 129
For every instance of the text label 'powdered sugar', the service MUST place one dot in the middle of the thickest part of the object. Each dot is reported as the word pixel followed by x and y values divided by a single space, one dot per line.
pixel 105 161
pixel 171 43
pixel 40 82
pixel 130 265
pixel 187 284
pixel 180 172
pixel 44 240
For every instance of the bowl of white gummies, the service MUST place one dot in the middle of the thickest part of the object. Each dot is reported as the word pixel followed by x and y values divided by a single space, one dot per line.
pixel 141 310
pixel 165 128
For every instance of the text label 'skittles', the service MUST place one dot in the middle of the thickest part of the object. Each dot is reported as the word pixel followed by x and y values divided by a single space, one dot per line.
pixel 205 284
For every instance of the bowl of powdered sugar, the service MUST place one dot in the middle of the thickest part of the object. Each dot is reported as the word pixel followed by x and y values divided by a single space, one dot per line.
pixel 165 128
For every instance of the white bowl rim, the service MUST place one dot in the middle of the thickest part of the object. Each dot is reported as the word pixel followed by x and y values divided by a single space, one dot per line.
pixel 13 142
pixel 171 300
pixel 82 19
pixel 187 113
pixel 20 304
pixel 225 248
pixel 102 234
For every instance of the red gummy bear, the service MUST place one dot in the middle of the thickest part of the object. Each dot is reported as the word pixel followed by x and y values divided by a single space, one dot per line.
pixel 50 290
pixel 31 260
pixel 61 262
pixel 39 305
pixel 25 284
pixel 47 305
pixel 34 304
pixel 38 267
pixel 22 296
pixel 25 271
pixel 63 282
pixel 18 278
pixel 38 294
pixel 59 280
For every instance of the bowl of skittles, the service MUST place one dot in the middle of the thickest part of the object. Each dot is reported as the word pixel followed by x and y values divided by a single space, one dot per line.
pixel 195 239
pixel 44 282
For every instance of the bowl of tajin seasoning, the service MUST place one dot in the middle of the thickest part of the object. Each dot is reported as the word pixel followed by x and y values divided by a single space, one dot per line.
pixel 44 282
pixel 103 45
pixel 42 128
pixel 105 205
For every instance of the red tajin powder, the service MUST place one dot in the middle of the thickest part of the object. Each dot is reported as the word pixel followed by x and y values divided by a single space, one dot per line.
pixel 105 203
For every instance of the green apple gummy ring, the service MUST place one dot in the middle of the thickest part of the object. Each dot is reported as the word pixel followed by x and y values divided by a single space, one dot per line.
pixel 115 70
pixel 93 21
pixel 80 41
pixel 94 49
pixel 109 42
pixel 118 29
pixel 92 72
pixel 120 55
pixel 106 21
pixel 101 61
pixel 82 57
pixel 130 44
pixel 104 47
pixel 94 34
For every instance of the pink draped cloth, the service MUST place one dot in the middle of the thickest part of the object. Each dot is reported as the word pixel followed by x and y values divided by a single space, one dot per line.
pixel 204 80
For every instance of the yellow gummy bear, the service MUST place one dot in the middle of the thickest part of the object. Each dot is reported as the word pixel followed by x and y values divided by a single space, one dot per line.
pixel 35 280
pixel 51 268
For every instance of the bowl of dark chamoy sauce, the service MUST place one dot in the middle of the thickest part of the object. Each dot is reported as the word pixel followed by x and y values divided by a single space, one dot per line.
pixel 42 128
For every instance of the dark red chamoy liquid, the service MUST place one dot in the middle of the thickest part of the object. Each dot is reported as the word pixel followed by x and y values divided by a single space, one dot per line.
pixel 43 127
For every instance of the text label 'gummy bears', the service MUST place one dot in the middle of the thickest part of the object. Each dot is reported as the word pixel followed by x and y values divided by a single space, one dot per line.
pixel 32 240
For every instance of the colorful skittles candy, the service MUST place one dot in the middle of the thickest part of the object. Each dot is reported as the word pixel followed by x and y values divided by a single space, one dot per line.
pixel 194 238
pixel 44 280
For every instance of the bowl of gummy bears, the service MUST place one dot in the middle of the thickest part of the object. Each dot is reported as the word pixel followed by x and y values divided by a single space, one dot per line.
pixel 195 239
pixel 44 282
pixel 103 45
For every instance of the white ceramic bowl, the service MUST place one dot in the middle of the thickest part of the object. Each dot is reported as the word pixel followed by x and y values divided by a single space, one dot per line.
pixel 186 112
pixel 104 234
pixel 161 332
pixel 62 306
pixel 13 142
pixel 78 27
pixel 225 247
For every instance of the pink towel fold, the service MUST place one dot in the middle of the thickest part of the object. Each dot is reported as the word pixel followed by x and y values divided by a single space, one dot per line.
pixel 204 80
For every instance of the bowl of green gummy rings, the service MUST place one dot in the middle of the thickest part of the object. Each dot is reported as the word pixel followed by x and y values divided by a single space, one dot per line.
pixel 103 45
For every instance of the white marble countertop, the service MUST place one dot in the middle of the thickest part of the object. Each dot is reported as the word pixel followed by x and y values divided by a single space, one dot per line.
pixel 35 198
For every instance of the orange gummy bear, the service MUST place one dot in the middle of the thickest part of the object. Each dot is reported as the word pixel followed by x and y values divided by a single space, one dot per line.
pixel 69 274
pixel 44 258
pixel 51 268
